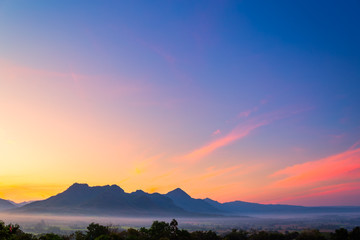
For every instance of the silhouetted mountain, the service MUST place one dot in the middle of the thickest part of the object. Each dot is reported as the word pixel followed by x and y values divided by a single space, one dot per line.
pixel 5 204
pixel 80 199
pixel 105 200
pixel 183 200
pixel 240 207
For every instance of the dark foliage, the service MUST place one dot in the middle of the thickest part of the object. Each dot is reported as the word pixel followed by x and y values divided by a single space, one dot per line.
pixel 354 234
pixel 160 230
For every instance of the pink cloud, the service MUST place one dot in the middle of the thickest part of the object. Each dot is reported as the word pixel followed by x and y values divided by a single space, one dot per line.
pixel 247 113
pixel 320 173
pixel 216 132
pixel 355 145
pixel 329 192
pixel 239 132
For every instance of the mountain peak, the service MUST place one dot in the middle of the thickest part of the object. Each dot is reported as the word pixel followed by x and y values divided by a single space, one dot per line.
pixel 79 186
pixel 178 193
pixel 115 187
pixel 139 193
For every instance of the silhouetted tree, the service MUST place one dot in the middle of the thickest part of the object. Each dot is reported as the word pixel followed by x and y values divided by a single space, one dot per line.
pixel 340 234
pixel 173 229
pixel 183 235
pixel 9 231
pixel 291 235
pixel 237 235
pixel 78 235
pixel 24 236
pixel 170 231
pixel 355 234
pixel 310 235
pixel 204 235
pixel 95 230
pixel 50 236
pixel 159 230
pixel 132 233
pixel 264 235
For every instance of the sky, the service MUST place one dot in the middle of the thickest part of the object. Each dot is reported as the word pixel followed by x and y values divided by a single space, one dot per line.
pixel 255 101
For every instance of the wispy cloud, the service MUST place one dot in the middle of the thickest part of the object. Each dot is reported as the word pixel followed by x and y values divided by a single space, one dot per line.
pixel 306 183
pixel 320 178
pixel 240 131
pixel 216 132
pixel 247 112
pixel 343 166
pixel 326 191
pixel 355 145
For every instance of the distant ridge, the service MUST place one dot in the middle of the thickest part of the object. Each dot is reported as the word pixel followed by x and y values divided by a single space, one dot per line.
pixel 20 204
pixel 5 204
pixel 237 207
pixel 111 200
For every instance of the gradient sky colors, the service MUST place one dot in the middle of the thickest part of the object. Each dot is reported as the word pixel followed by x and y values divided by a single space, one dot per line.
pixel 233 100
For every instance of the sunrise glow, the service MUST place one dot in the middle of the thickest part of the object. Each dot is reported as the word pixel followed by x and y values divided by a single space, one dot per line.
pixel 232 100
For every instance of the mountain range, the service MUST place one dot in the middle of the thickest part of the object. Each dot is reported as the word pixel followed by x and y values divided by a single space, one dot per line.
pixel 81 199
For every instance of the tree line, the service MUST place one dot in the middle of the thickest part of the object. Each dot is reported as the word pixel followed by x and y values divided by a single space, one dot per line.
pixel 161 230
